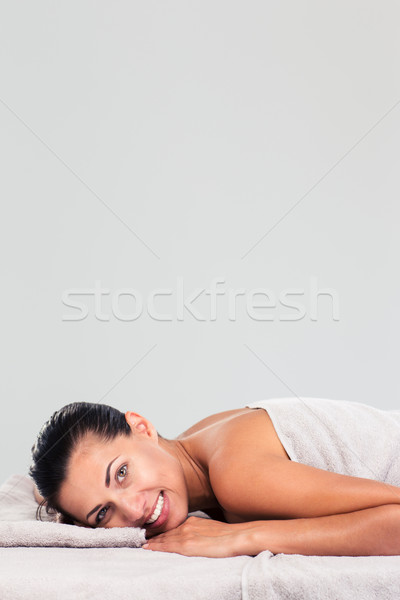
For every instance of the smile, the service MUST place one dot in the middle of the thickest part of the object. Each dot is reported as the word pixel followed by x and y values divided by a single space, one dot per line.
pixel 157 510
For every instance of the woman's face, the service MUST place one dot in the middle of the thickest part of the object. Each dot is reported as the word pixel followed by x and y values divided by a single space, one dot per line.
pixel 118 483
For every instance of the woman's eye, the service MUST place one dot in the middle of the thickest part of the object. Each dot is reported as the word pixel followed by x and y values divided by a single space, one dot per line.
pixel 99 518
pixel 101 515
pixel 123 469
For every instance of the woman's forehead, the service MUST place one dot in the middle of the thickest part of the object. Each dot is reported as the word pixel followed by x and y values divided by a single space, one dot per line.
pixel 90 459
pixel 94 445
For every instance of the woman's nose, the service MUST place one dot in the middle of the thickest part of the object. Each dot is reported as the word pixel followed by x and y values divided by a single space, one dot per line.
pixel 132 508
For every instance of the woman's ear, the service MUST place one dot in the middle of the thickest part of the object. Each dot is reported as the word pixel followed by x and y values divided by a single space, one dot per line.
pixel 139 424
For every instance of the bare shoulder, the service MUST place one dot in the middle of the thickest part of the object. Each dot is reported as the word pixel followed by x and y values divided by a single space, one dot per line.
pixel 250 429
pixel 244 448
pixel 230 447
pixel 249 433
pixel 212 420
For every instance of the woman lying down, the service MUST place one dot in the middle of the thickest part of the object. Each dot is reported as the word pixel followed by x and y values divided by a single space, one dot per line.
pixel 98 467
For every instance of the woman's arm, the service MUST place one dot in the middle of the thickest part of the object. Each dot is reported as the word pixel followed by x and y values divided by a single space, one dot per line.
pixel 369 532
pixel 250 487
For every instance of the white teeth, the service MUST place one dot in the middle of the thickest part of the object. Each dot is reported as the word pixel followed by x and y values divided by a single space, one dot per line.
pixel 157 510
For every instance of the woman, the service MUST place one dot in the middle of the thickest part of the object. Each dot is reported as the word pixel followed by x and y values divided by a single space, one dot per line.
pixel 97 467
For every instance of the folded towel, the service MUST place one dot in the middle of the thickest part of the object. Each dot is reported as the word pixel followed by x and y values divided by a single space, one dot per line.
pixel 19 527
pixel 35 533
pixel 350 438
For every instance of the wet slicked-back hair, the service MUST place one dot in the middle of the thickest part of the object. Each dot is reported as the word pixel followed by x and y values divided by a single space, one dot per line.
pixel 57 441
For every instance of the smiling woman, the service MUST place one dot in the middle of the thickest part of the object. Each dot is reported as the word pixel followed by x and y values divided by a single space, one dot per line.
pixel 98 467
pixel 71 454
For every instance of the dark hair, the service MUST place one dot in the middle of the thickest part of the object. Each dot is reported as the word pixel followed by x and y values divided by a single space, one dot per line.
pixel 57 441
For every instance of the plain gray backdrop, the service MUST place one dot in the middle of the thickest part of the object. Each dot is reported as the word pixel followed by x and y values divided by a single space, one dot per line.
pixel 145 144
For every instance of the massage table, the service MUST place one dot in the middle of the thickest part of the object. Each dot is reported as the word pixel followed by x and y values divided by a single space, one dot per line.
pixel 40 573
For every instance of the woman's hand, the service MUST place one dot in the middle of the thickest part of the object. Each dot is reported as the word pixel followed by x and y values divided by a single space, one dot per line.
pixel 198 536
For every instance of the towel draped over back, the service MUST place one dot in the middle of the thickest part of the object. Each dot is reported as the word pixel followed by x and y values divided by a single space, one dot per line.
pixel 350 438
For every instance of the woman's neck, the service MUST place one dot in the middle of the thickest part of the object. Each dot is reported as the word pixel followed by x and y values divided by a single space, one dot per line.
pixel 201 495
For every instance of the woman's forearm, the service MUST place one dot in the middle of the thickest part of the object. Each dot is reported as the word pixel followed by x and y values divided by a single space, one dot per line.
pixel 369 532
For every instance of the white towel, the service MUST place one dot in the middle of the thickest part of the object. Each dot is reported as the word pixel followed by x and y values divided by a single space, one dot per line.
pixel 35 533
pixel 350 438
pixel 298 577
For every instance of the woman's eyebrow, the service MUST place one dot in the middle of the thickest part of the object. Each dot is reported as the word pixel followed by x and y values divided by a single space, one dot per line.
pixel 107 482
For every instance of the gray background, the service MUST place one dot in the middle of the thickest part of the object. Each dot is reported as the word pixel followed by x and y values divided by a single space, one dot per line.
pixel 143 142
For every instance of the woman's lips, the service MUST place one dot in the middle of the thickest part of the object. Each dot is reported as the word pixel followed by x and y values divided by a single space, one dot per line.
pixel 151 512
pixel 163 516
